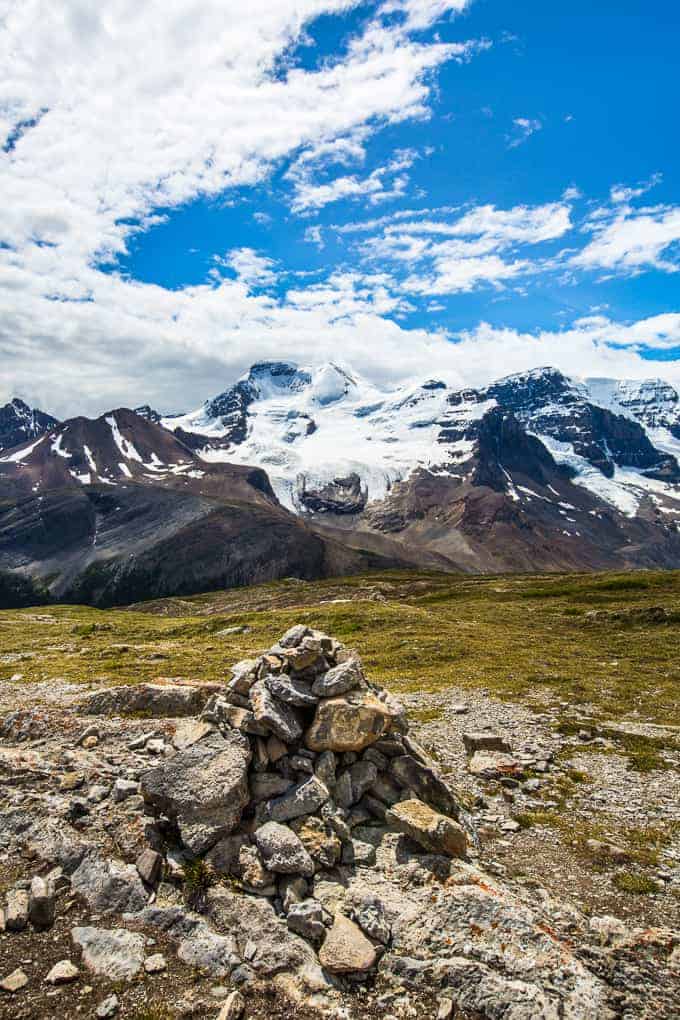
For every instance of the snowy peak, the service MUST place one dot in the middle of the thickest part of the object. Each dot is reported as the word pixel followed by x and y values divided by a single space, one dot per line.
pixel 19 423
pixel 117 447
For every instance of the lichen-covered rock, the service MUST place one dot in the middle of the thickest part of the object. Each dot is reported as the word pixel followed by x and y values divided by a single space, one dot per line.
pixel 340 679
pixel 434 832
pixel 109 886
pixel 350 723
pixel 426 782
pixel 204 788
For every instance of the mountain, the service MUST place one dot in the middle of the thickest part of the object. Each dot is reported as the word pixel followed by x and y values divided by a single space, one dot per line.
pixel 304 472
pixel 19 423
pixel 116 509
pixel 535 471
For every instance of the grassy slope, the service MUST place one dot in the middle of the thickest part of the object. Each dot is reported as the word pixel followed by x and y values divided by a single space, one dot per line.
pixel 524 638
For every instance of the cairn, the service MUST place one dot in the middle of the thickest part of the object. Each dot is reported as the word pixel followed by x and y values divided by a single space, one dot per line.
pixel 283 764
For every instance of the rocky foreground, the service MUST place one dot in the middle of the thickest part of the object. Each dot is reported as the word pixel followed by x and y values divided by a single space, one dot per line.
pixel 231 850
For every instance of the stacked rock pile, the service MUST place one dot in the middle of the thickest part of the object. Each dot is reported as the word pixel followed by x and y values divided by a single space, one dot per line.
pixel 283 764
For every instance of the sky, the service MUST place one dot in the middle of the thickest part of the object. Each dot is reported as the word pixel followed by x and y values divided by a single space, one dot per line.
pixel 459 188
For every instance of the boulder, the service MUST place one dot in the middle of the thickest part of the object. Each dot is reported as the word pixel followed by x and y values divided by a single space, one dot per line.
pixel 277 716
pixel 351 722
pixel 319 840
pixel 306 918
pixel 434 832
pixel 213 954
pixel 353 783
pixel 150 700
pixel 282 851
pixel 115 954
pixel 346 949
pixel 204 787
pixel 63 973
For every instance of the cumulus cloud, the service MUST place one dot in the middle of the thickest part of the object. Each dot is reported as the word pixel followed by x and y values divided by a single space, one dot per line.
pixel 461 253
pixel 629 241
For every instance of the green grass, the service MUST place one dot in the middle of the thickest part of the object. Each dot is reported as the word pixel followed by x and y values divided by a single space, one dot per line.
pixel 631 882
pixel 522 638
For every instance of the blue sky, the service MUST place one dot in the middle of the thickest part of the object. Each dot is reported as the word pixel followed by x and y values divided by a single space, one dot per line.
pixel 480 185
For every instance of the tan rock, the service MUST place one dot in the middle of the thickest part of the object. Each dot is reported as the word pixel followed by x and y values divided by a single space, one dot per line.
pixel 350 723
pixel 494 765
pixel 233 1007
pixel 434 832
pixel 346 949
pixel 14 982
pixel 62 973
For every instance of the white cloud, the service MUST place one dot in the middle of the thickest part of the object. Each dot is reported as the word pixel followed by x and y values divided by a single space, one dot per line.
pixel 628 241
pixel 623 193
pixel 524 128
pixel 252 269
pixel 420 14
pixel 463 253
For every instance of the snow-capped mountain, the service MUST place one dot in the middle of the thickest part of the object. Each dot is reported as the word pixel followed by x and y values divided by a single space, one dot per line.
pixel 332 442
pixel 19 423
pixel 308 472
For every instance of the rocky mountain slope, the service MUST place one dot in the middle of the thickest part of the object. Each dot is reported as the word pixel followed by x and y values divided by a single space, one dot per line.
pixel 117 508
pixel 305 471
pixel 227 851
pixel 19 423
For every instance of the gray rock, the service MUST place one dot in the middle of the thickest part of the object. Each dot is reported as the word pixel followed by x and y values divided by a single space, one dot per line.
pixel 41 903
pixel 244 675
pixel 204 787
pixel 295 635
pixel 371 918
pixel 109 886
pixel 276 715
pixel 340 679
pixel 303 799
pixel 485 741
pixel 150 700
pixel 282 851
pixel 307 919
pixel 352 784
pixel 265 785
pixel 16 910
pixel 213 954
pixel 113 953
pixel 224 856
pixel 254 920
pixel 124 788
pixel 108 1007
pixel 291 690
pixel 149 864
pixel 325 768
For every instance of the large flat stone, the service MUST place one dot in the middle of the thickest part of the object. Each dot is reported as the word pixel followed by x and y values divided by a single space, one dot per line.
pixel 150 700
pixel 115 954
pixel 346 949
pixel 434 832
pixel 279 717
pixel 204 787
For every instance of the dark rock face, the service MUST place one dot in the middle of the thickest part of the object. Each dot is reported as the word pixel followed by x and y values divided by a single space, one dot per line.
pixel 148 413
pixel 19 423
pixel 341 496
